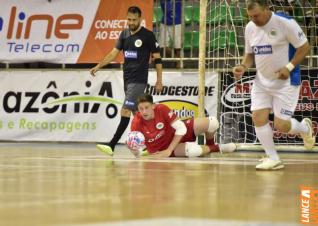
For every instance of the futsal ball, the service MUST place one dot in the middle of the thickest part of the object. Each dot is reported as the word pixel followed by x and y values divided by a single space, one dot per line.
pixel 136 140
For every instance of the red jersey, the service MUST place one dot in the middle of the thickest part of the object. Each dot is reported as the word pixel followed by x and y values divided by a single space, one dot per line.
pixel 157 131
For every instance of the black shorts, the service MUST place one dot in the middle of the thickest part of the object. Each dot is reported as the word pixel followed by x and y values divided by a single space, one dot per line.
pixel 132 92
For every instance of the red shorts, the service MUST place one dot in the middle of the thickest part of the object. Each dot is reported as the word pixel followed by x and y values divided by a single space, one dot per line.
pixel 189 136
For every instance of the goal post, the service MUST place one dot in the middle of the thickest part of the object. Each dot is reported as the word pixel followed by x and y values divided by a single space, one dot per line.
pixel 221 48
pixel 202 52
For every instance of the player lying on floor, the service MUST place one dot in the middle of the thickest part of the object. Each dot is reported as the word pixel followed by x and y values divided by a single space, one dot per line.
pixel 167 136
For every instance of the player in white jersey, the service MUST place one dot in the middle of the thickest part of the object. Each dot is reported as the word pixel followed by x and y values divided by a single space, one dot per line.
pixel 277 45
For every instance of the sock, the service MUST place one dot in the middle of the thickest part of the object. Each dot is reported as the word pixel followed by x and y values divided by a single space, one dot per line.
pixel 265 136
pixel 123 124
pixel 214 147
pixel 209 141
pixel 298 127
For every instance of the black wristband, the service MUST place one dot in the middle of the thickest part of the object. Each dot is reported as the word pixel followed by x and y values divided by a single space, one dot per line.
pixel 158 61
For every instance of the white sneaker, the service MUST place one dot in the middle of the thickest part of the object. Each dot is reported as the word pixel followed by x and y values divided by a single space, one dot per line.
pixel 227 148
pixel 269 164
pixel 309 138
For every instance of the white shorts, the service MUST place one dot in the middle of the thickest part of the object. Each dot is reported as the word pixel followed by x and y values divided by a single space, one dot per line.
pixel 282 101
pixel 170 36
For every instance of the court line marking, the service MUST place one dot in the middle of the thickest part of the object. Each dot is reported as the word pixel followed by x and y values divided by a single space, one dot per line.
pixel 178 221
pixel 211 160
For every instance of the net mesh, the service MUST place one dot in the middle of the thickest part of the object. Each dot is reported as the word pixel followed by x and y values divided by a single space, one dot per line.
pixel 226 21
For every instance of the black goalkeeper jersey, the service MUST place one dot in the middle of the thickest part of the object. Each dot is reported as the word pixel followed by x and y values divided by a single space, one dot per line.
pixel 137 49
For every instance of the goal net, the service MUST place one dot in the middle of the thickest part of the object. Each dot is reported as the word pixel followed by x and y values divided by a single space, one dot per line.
pixel 225 22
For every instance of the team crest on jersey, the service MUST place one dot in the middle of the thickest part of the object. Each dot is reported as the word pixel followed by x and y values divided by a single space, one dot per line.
pixel 272 34
pixel 159 125
pixel 138 43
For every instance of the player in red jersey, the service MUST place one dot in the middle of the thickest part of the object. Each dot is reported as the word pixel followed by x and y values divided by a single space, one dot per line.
pixel 166 135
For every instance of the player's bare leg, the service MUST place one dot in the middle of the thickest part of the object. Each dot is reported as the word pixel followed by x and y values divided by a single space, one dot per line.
pixel 292 126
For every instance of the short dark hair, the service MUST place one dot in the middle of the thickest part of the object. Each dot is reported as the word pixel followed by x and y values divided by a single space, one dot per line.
pixel 145 98
pixel 134 10
pixel 251 4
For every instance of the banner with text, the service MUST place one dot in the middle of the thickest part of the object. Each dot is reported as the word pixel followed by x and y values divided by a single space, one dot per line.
pixel 73 106
pixel 64 31
pixel 236 116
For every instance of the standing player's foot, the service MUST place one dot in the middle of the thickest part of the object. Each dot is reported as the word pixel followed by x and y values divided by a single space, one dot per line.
pixel 269 164
pixel 105 149
pixel 308 138
pixel 144 153
pixel 227 148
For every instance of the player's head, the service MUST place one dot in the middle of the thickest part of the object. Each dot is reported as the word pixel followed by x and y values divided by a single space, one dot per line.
pixel 258 11
pixel 133 18
pixel 146 106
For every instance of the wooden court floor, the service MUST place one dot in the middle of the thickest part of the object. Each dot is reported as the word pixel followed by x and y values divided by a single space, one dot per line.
pixel 73 184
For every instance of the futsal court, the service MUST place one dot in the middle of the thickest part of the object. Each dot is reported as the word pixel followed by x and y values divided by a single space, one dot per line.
pixel 74 184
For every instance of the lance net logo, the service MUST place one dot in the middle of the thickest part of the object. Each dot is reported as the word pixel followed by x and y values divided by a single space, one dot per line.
pixel 308 205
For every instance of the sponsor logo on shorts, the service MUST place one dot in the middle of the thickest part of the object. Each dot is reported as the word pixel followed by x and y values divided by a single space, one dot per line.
pixel 286 112
pixel 130 54
pixel 129 103
pixel 262 50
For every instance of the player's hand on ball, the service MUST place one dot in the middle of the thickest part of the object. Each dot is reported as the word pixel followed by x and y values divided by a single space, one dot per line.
pixel 238 72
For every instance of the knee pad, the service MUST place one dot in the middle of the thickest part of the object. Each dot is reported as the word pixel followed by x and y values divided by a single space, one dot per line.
pixel 192 149
pixel 213 124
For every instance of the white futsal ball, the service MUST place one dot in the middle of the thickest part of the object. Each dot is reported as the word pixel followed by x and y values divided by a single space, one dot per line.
pixel 136 140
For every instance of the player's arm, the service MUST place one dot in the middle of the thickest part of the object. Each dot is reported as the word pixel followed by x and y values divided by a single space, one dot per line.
pixel 158 64
pixel 107 59
pixel 247 62
pixel 180 131
pixel 297 38
pixel 300 54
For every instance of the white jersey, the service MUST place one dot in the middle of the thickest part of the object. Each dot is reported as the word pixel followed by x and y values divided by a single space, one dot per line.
pixel 273 46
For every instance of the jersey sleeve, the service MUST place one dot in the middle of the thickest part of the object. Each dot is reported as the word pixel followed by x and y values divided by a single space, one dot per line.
pixel 154 45
pixel 248 48
pixel 294 33
pixel 120 42
pixel 135 124
pixel 167 113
